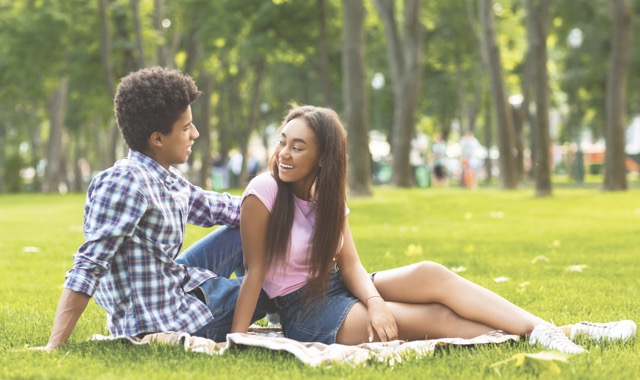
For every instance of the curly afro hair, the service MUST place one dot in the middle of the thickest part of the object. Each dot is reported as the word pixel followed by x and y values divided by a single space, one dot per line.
pixel 150 100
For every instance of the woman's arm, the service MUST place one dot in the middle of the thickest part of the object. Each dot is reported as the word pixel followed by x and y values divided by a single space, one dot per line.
pixel 357 280
pixel 254 217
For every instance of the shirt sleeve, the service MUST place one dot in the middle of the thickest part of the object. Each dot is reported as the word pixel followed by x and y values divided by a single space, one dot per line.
pixel 113 209
pixel 265 188
pixel 209 208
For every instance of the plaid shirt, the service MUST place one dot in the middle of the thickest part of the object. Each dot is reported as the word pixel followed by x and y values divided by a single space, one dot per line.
pixel 134 223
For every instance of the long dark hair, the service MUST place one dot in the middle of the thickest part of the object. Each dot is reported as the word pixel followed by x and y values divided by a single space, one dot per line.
pixel 330 199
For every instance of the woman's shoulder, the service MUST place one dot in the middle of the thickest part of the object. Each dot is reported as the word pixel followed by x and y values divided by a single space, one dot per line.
pixel 263 186
pixel 263 180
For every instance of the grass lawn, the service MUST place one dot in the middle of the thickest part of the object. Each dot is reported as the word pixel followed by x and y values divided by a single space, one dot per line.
pixel 486 234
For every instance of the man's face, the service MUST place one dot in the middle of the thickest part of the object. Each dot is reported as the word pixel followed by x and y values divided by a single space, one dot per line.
pixel 176 146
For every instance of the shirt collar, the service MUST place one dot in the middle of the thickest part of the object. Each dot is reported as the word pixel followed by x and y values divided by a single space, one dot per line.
pixel 169 177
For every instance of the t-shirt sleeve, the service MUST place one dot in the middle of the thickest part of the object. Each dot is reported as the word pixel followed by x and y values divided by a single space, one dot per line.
pixel 264 187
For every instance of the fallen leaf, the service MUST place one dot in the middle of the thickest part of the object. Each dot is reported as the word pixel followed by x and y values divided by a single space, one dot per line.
pixel 413 250
pixel 539 258
pixel 544 361
pixel 497 214
pixel 575 268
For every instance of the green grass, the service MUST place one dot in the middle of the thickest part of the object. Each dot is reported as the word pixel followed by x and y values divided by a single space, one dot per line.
pixel 489 232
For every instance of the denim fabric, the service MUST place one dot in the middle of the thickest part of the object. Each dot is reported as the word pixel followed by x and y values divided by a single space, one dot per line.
pixel 221 294
pixel 221 253
pixel 319 321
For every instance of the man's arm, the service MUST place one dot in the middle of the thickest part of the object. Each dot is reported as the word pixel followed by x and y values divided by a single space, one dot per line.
pixel 209 208
pixel 70 307
pixel 115 204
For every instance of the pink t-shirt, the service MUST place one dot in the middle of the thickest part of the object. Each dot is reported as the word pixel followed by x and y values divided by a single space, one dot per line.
pixel 293 275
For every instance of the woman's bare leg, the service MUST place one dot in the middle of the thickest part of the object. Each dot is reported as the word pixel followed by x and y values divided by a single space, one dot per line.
pixel 428 282
pixel 415 321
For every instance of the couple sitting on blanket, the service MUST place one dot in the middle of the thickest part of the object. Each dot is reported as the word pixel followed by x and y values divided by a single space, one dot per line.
pixel 299 257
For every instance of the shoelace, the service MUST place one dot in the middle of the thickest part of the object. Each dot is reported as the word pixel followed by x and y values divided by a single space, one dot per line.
pixel 555 338
pixel 594 330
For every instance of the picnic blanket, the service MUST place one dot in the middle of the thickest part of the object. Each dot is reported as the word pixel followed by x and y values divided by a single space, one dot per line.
pixel 314 353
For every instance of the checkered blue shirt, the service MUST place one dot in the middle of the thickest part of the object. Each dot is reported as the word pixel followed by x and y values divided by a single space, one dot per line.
pixel 134 223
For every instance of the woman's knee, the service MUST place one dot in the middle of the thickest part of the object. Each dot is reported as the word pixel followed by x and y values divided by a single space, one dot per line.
pixel 432 270
pixel 436 277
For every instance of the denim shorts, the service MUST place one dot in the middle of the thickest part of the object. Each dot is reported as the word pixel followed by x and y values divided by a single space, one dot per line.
pixel 220 295
pixel 319 321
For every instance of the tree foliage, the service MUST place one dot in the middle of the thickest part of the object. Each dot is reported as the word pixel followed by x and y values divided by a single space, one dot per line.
pixel 255 57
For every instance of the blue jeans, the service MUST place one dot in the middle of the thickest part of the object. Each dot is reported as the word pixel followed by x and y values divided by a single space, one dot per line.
pixel 221 252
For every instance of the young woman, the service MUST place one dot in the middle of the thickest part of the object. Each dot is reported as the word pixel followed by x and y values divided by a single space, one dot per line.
pixel 298 247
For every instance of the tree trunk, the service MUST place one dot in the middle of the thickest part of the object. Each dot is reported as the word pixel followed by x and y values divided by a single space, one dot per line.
pixel 616 96
pixel 524 114
pixel 504 117
pixel 488 138
pixel 405 63
pixel 158 16
pixel 204 127
pixel 325 69
pixel 538 27
pixel 166 49
pixel 105 49
pixel 462 94
pixel 137 28
pixel 245 129
pixel 78 154
pixel 355 98
pixel 193 50
pixel 107 67
pixel 54 146
pixel 3 139
pixel 518 140
pixel 223 142
pixel 96 142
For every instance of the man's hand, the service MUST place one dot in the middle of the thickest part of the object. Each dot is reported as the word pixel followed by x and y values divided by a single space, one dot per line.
pixel 46 348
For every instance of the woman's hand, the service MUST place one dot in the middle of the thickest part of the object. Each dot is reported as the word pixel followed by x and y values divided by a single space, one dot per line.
pixel 381 320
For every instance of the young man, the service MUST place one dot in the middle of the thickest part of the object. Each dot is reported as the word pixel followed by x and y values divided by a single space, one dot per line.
pixel 134 225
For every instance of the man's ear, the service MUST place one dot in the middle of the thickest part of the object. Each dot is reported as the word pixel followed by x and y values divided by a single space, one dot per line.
pixel 155 139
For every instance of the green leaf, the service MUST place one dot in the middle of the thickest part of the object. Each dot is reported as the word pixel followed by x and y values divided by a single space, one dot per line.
pixel 544 361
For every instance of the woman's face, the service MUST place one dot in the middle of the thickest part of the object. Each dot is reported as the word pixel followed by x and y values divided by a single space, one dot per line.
pixel 298 157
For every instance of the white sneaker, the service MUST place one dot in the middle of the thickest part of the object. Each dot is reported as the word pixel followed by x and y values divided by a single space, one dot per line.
pixel 621 330
pixel 552 337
